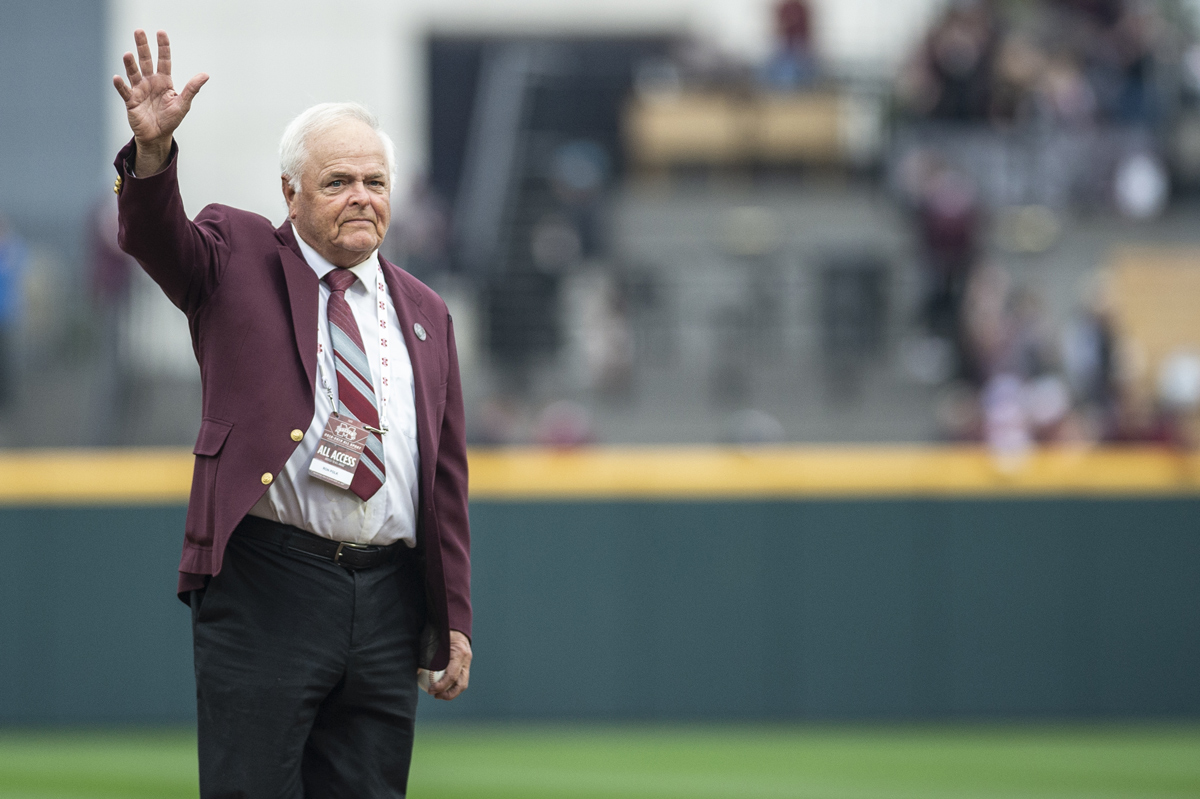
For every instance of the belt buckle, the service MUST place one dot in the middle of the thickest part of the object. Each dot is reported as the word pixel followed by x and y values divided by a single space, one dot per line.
pixel 337 556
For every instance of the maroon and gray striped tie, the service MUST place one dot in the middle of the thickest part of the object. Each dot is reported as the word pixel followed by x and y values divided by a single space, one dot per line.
pixel 356 394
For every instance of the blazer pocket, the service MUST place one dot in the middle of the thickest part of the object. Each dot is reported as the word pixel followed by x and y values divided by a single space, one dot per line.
pixel 213 433
pixel 203 503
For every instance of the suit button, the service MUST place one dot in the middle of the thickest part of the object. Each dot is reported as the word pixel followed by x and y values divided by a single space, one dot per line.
pixel 267 478
pixel 297 435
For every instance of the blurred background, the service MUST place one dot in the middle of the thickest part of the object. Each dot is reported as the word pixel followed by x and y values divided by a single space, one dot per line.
pixel 677 221
pixel 897 300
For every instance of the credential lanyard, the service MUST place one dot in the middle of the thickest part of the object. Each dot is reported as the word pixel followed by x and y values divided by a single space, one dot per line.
pixel 384 389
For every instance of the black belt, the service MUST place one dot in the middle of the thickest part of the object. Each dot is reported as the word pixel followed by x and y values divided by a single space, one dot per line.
pixel 351 556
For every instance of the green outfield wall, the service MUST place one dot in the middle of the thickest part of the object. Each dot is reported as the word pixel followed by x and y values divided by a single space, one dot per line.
pixel 678 607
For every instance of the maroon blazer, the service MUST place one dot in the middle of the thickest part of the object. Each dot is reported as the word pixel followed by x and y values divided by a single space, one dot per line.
pixel 251 302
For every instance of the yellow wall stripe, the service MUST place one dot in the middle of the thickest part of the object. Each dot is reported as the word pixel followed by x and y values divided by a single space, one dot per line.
pixel 827 472
pixel 95 476
pixel 147 476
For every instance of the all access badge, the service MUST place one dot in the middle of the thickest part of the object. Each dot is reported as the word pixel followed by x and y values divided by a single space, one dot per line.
pixel 339 451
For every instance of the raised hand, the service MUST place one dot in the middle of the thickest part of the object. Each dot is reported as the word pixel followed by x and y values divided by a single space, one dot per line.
pixel 151 103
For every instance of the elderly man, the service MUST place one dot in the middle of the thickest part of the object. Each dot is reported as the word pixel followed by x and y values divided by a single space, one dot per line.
pixel 326 554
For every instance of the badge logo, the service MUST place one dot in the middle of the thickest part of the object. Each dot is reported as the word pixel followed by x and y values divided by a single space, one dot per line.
pixel 346 431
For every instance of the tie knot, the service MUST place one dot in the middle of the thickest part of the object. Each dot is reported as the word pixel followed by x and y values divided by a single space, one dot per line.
pixel 340 279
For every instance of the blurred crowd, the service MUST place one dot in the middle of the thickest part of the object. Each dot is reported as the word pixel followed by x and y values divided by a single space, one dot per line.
pixel 1061 103
pixel 1065 62
pixel 1019 379
pixel 1015 376
pixel 1006 105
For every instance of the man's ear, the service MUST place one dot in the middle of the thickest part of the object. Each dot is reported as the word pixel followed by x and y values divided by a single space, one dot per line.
pixel 289 194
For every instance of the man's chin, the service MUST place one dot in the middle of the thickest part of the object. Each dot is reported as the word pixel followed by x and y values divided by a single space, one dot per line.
pixel 359 247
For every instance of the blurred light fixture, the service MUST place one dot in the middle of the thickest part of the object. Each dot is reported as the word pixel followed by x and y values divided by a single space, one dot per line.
pixel 1027 228
pixel 1140 186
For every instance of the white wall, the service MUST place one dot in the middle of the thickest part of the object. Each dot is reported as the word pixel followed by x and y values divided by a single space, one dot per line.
pixel 271 60
pixel 267 62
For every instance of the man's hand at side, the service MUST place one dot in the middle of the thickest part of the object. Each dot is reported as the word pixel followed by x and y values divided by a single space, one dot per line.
pixel 153 107
pixel 458 671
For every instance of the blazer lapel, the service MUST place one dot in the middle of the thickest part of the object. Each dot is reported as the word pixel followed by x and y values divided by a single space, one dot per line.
pixel 423 357
pixel 304 296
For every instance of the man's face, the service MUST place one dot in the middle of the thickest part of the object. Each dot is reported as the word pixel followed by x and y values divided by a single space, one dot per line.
pixel 343 207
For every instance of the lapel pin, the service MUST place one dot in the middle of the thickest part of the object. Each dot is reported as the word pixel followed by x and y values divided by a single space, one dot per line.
pixel 420 331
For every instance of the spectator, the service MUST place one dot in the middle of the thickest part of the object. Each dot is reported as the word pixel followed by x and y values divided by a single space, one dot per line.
pixel 14 264
pixel 1020 63
pixel 1064 96
pixel 1031 348
pixel 111 271
pixel 1089 357
pixel 951 77
pixel 949 223
pixel 793 65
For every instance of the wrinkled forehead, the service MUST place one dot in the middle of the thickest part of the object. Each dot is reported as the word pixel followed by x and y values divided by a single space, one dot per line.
pixel 347 142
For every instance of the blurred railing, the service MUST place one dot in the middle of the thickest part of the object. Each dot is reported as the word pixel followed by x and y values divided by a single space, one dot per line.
pixel 1054 166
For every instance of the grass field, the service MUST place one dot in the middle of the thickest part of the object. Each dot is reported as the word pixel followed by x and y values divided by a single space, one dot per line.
pixel 664 762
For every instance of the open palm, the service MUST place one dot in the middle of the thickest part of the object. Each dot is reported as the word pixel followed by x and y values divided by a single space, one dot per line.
pixel 151 102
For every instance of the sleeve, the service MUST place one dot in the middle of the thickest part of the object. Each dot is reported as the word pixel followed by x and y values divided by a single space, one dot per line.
pixel 450 497
pixel 185 258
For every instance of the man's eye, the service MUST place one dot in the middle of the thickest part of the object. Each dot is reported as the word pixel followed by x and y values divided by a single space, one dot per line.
pixel 335 184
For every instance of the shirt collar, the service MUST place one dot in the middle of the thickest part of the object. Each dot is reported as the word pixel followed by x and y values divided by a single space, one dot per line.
pixel 322 267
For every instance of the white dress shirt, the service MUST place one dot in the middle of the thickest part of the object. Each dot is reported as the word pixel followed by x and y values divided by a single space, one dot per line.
pixel 299 499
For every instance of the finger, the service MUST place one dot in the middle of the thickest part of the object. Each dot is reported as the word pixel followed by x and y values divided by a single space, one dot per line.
pixel 453 668
pixel 131 69
pixel 143 51
pixel 457 676
pixel 192 87
pixel 449 693
pixel 460 660
pixel 121 88
pixel 164 54
pixel 455 690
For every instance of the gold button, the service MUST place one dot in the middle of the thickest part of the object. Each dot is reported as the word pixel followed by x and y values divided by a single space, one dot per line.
pixel 117 186
pixel 267 478
pixel 297 435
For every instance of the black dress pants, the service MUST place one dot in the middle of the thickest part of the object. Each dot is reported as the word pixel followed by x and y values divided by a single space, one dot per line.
pixel 305 675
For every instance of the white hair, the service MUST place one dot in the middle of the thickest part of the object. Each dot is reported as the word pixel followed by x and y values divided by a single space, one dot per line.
pixel 318 119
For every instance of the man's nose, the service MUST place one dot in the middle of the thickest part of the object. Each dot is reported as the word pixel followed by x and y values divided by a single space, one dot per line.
pixel 359 193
